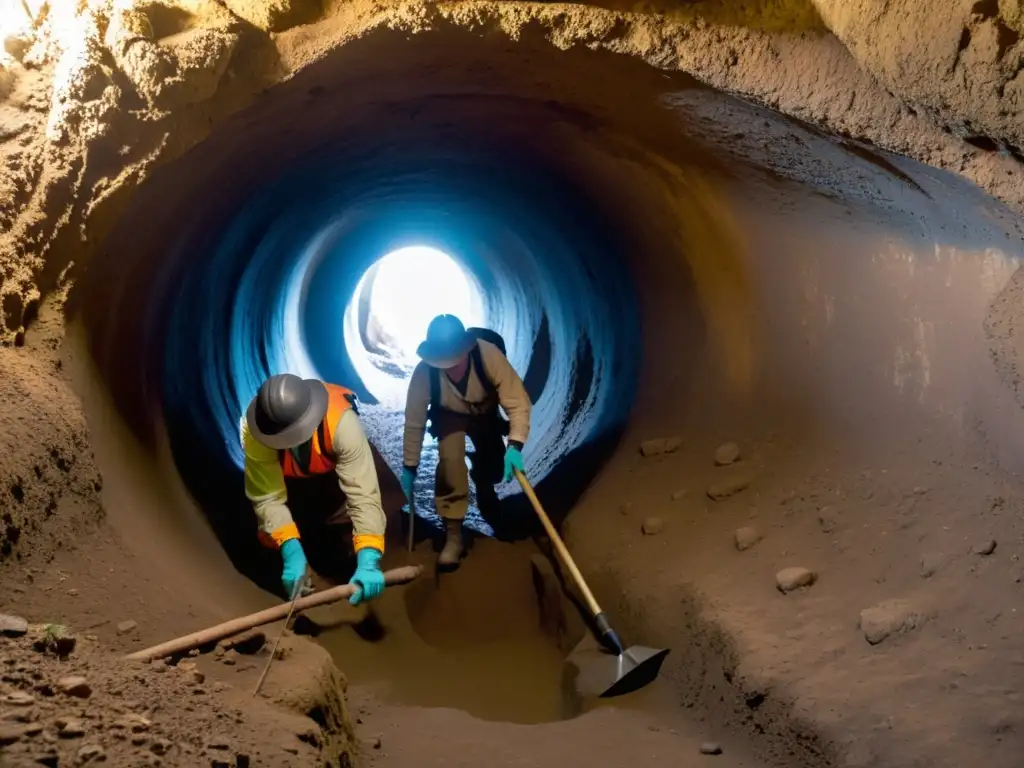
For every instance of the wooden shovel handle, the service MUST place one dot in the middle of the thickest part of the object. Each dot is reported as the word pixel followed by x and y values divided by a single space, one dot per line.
pixel 267 616
pixel 559 545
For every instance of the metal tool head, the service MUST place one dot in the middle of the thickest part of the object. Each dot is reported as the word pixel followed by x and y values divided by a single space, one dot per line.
pixel 605 675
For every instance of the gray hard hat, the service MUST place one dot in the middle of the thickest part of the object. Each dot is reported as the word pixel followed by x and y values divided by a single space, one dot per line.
pixel 286 411
pixel 447 342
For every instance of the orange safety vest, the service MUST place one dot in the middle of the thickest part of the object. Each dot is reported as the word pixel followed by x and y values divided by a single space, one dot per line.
pixel 316 456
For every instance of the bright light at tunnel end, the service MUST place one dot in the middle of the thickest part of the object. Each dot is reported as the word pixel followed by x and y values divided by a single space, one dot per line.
pixel 402 292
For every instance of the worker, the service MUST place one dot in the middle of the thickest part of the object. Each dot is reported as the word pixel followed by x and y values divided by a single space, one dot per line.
pixel 461 380
pixel 300 428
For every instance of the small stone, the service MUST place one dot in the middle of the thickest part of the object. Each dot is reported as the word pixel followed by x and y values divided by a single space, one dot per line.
pixel 230 658
pixel 160 746
pixel 746 537
pixel 660 446
pixel 18 699
pixel 625 507
pixel 74 686
pixel 711 748
pixel 377 744
pixel 12 626
pixel 890 617
pixel 218 743
pixel 70 728
pixel 985 547
pixel 726 454
pixel 680 494
pixel 127 626
pixel 134 723
pixel 13 732
pixel 198 678
pixel 652 526
pixel 828 519
pixel 730 487
pixel 242 760
pixel 221 762
pixel 91 753
pixel 789 579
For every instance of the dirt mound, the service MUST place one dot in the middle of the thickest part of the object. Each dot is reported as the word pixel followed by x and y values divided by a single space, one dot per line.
pixel 66 699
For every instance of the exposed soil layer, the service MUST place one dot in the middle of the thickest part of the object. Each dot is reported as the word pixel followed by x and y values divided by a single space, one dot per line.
pixel 830 547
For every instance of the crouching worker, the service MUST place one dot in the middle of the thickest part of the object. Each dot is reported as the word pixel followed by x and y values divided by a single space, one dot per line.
pixel 463 377
pixel 300 428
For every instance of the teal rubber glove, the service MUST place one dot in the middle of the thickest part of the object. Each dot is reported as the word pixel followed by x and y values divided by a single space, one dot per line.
pixel 407 481
pixel 368 578
pixel 513 460
pixel 294 566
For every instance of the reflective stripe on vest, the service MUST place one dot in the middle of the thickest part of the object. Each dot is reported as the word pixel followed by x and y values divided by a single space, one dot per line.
pixel 320 447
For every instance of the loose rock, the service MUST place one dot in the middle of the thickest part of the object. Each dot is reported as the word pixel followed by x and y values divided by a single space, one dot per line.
pixel 70 728
pixel 12 626
pixel 986 547
pixel 890 617
pixel 13 732
pixel 726 454
pixel 660 446
pixel 730 487
pixel 746 537
pixel 625 507
pixel 828 519
pixel 91 753
pixel 789 579
pixel 74 686
pixel 126 626
pixel 18 699
pixel 711 748
pixel 680 494
pixel 652 526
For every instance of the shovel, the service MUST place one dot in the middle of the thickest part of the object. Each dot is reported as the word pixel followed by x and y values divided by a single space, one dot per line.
pixel 617 670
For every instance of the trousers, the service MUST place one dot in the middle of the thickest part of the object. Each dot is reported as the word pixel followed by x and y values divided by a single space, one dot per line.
pixel 451 485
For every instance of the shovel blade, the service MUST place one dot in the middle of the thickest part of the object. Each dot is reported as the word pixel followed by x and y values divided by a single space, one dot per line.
pixel 605 675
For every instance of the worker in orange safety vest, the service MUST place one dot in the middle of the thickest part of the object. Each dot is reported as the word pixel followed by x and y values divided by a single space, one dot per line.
pixel 299 428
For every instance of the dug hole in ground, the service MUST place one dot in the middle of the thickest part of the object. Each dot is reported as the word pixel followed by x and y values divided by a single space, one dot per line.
pixel 805 482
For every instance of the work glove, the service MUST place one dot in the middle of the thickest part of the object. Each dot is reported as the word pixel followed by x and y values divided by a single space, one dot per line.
pixel 513 460
pixel 408 478
pixel 294 566
pixel 368 578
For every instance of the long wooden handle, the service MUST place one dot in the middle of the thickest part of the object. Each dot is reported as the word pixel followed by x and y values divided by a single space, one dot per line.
pixel 267 616
pixel 559 545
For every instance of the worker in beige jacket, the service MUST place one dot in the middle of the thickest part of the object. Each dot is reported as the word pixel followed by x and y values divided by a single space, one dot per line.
pixel 458 386
pixel 297 428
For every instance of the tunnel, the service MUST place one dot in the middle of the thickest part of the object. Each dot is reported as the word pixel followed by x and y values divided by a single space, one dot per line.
pixel 753 344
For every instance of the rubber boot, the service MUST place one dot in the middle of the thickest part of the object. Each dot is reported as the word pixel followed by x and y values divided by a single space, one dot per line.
pixel 454 548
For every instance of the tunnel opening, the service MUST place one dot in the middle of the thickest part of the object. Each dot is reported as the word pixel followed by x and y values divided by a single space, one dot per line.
pixel 390 309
